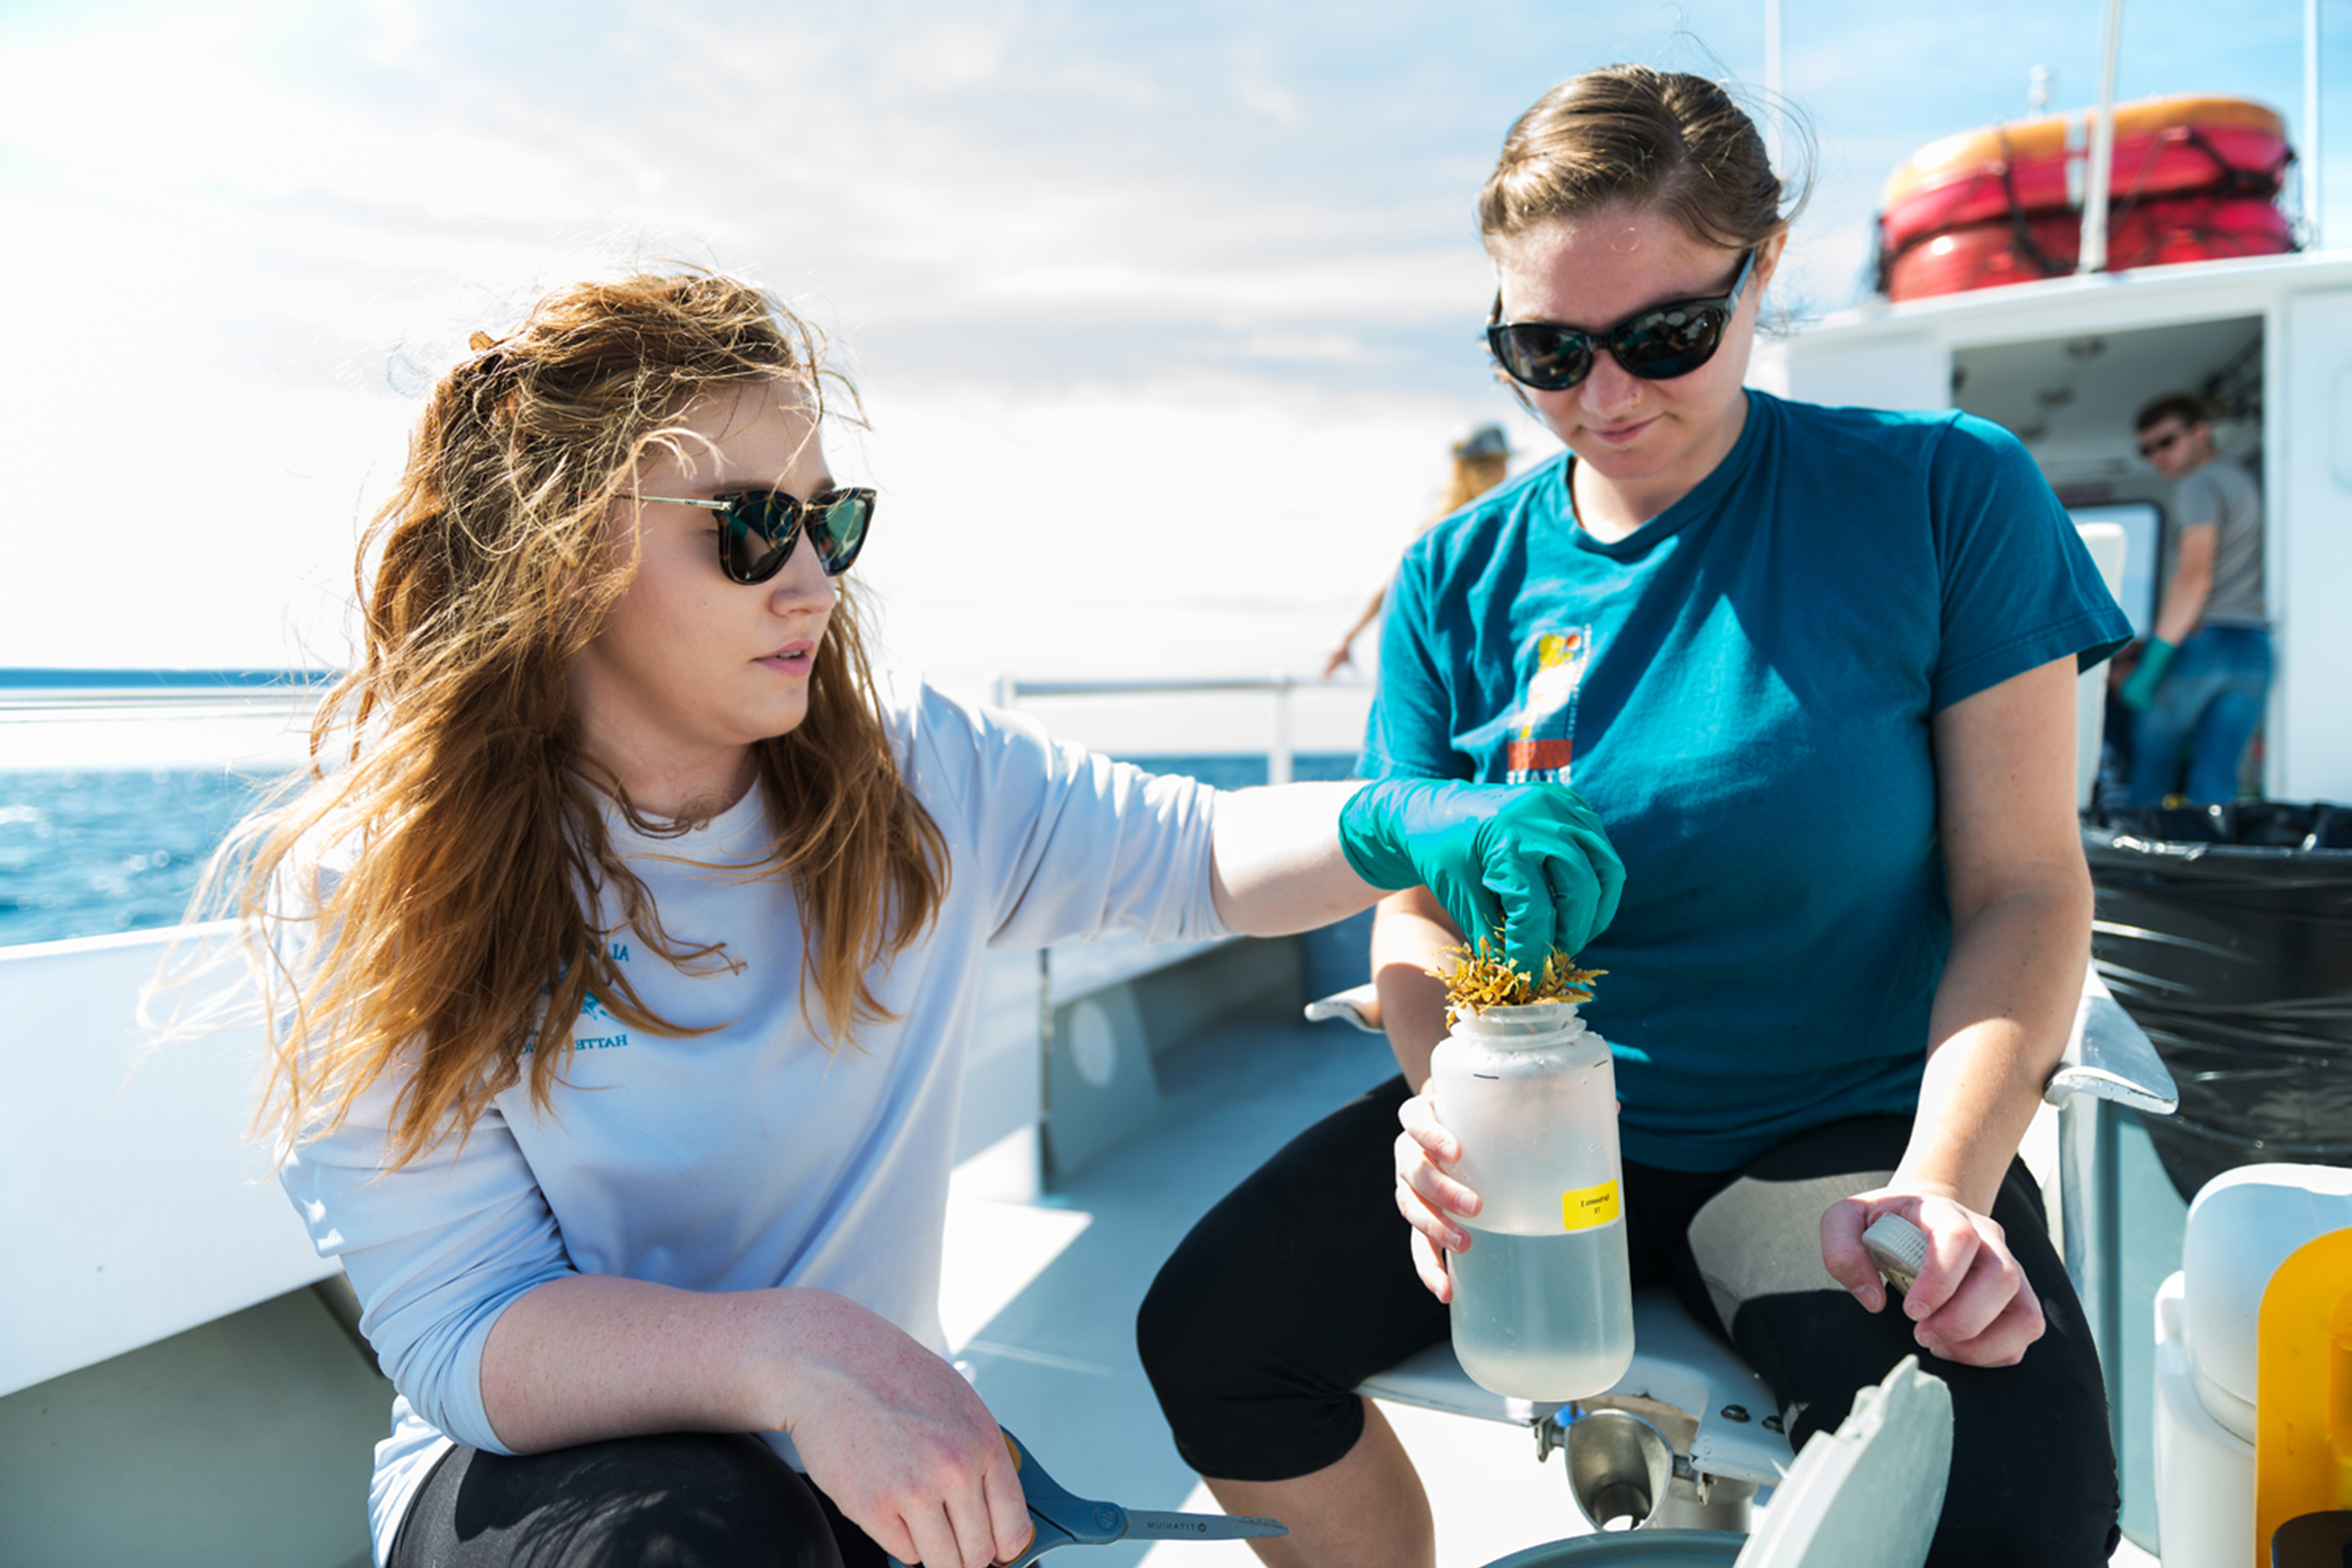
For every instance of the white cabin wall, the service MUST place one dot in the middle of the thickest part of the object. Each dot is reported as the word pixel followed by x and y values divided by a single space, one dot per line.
pixel 1909 371
pixel 2108 550
pixel 2309 561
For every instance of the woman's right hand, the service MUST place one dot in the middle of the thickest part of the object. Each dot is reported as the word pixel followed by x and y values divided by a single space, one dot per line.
pixel 1530 863
pixel 1427 1197
pixel 900 1440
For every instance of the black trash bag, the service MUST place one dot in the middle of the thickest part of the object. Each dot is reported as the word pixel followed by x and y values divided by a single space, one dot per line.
pixel 2225 932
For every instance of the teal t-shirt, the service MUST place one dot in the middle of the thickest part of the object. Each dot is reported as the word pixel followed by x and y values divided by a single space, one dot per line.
pixel 1742 689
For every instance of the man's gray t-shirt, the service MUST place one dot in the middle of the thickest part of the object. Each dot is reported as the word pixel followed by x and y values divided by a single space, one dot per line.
pixel 2223 493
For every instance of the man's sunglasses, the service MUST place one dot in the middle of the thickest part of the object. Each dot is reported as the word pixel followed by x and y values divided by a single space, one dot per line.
pixel 757 528
pixel 2163 443
pixel 1657 344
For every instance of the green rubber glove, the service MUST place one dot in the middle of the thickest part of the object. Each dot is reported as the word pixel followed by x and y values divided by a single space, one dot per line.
pixel 2140 692
pixel 1531 860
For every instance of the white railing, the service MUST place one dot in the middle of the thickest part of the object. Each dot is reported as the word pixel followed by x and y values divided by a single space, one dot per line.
pixel 1279 752
pixel 173 691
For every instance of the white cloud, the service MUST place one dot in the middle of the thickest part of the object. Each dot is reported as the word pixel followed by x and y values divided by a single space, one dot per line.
pixel 950 56
pixel 399 28
pixel 1255 89
pixel 1101 79
pixel 1333 348
pixel 268 223
pixel 1142 531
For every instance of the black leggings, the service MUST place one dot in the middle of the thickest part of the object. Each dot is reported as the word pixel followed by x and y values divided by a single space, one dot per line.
pixel 687 1499
pixel 1298 1286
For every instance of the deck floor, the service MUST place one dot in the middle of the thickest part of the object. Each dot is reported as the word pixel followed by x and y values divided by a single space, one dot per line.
pixel 1039 1303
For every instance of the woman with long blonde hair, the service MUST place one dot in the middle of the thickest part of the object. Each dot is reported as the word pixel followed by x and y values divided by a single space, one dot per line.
pixel 622 950
pixel 1481 460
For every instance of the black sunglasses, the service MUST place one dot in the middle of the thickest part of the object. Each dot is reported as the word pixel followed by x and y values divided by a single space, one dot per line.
pixel 1657 344
pixel 2163 443
pixel 757 528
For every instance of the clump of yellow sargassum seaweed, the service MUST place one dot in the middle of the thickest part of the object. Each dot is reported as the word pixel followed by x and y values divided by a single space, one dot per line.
pixel 1479 979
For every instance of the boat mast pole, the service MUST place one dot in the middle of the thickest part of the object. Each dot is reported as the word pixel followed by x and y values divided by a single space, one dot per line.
pixel 2309 172
pixel 1773 112
pixel 2102 150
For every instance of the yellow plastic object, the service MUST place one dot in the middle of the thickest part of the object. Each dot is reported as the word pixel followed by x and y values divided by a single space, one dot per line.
pixel 2303 1410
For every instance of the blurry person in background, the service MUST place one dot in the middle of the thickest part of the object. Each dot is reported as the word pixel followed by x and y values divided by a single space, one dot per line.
pixel 1481 460
pixel 2204 672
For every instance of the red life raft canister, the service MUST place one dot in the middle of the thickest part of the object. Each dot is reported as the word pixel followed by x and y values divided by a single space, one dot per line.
pixel 2192 179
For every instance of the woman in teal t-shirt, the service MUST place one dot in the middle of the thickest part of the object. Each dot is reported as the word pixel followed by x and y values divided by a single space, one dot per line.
pixel 1815 670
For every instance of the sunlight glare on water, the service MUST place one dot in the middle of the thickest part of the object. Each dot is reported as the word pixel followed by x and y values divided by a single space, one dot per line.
pixel 91 853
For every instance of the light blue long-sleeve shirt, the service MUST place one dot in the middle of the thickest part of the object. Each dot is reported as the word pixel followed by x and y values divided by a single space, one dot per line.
pixel 751 1156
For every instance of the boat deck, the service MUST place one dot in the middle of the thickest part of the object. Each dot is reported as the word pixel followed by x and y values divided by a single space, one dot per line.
pixel 1039 1303
pixel 247 1440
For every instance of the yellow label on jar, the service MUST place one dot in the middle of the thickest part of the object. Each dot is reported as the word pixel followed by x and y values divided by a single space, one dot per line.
pixel 1589 1207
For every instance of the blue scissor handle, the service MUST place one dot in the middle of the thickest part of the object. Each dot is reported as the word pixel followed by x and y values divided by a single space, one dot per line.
pixel 1080 1521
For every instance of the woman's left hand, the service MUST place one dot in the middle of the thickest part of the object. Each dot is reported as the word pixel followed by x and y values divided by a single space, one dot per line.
pixel 1971 1304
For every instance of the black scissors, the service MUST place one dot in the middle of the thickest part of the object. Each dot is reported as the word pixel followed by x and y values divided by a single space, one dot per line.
pixel 1064 1519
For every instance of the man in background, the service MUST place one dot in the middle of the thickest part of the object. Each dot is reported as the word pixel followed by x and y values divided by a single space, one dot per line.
pixel 2205 669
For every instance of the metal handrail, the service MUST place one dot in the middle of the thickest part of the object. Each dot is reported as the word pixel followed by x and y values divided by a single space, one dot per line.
pixel 97 705
pixel 64 693
pixel 1010 690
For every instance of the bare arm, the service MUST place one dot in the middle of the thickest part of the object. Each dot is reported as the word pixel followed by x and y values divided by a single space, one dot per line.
pixel 1409 934
pixel 1278 866
pixel 2021 907
pixel 2191 582
pixel 2021 928
pixel 892 1433
pixel 1342 655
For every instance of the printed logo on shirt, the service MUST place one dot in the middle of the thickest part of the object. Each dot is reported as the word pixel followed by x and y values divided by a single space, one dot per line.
pixel 1542 742
pixel 593 1013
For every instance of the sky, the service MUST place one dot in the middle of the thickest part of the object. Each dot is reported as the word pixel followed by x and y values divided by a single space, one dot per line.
pixel 1163 315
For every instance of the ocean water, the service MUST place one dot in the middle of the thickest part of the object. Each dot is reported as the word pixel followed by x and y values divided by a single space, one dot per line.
pixel 90 853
